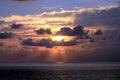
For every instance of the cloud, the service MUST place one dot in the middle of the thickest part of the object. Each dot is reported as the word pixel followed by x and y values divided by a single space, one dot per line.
pixel 43 31
pixel 98 32
pixel 48 43
pixel 1 22
pixel 5 35
pixel 65 31
pixel 107 16
pixel 76 31
pixel 62 13
pixel 16 26
pixel 39 20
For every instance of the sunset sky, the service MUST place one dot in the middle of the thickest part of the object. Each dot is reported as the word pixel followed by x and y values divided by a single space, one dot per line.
pixel 25 7
pixel 59 31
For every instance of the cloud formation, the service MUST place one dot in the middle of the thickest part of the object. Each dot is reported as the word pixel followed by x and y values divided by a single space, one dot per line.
pixel 76 31
pixel 48 43
pixel 43 31
pixel 1 22
pixel 105 16
pixel 98 32
pixel 16 26
pixel 5 35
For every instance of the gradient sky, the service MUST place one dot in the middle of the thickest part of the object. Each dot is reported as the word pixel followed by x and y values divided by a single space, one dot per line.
pixel 26 45
pixel 24 7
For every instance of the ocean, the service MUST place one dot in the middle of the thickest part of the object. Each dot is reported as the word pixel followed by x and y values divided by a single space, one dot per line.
pixel 84 71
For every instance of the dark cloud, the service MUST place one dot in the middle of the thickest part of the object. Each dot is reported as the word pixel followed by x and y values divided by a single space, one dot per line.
pixel 2 21
pixel 79 30
pixel 48 43
pixel 4 35
pixel 65 31
pixel 106 17
pixel 76 31
pixel 16 26
pixel 42 42
pixel 43 31
pixel 98 32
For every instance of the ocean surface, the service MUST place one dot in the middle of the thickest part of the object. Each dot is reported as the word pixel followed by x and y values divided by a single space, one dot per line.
pixel 83 71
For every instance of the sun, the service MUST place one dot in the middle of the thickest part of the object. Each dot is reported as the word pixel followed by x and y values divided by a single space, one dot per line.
pixel 57 38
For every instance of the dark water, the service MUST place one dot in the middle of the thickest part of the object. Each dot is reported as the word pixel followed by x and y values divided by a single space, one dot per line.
pixel 58 72
pixel 36 74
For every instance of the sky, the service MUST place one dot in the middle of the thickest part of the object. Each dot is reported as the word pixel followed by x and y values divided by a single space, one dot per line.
pixel 24 7
pixel 59 31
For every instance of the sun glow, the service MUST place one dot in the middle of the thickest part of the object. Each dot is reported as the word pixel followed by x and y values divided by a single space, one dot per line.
pixel 58 38
pixel 61 38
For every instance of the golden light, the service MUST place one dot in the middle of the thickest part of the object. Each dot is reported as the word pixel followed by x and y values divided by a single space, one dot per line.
pixel 60 38
pixel 57 38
